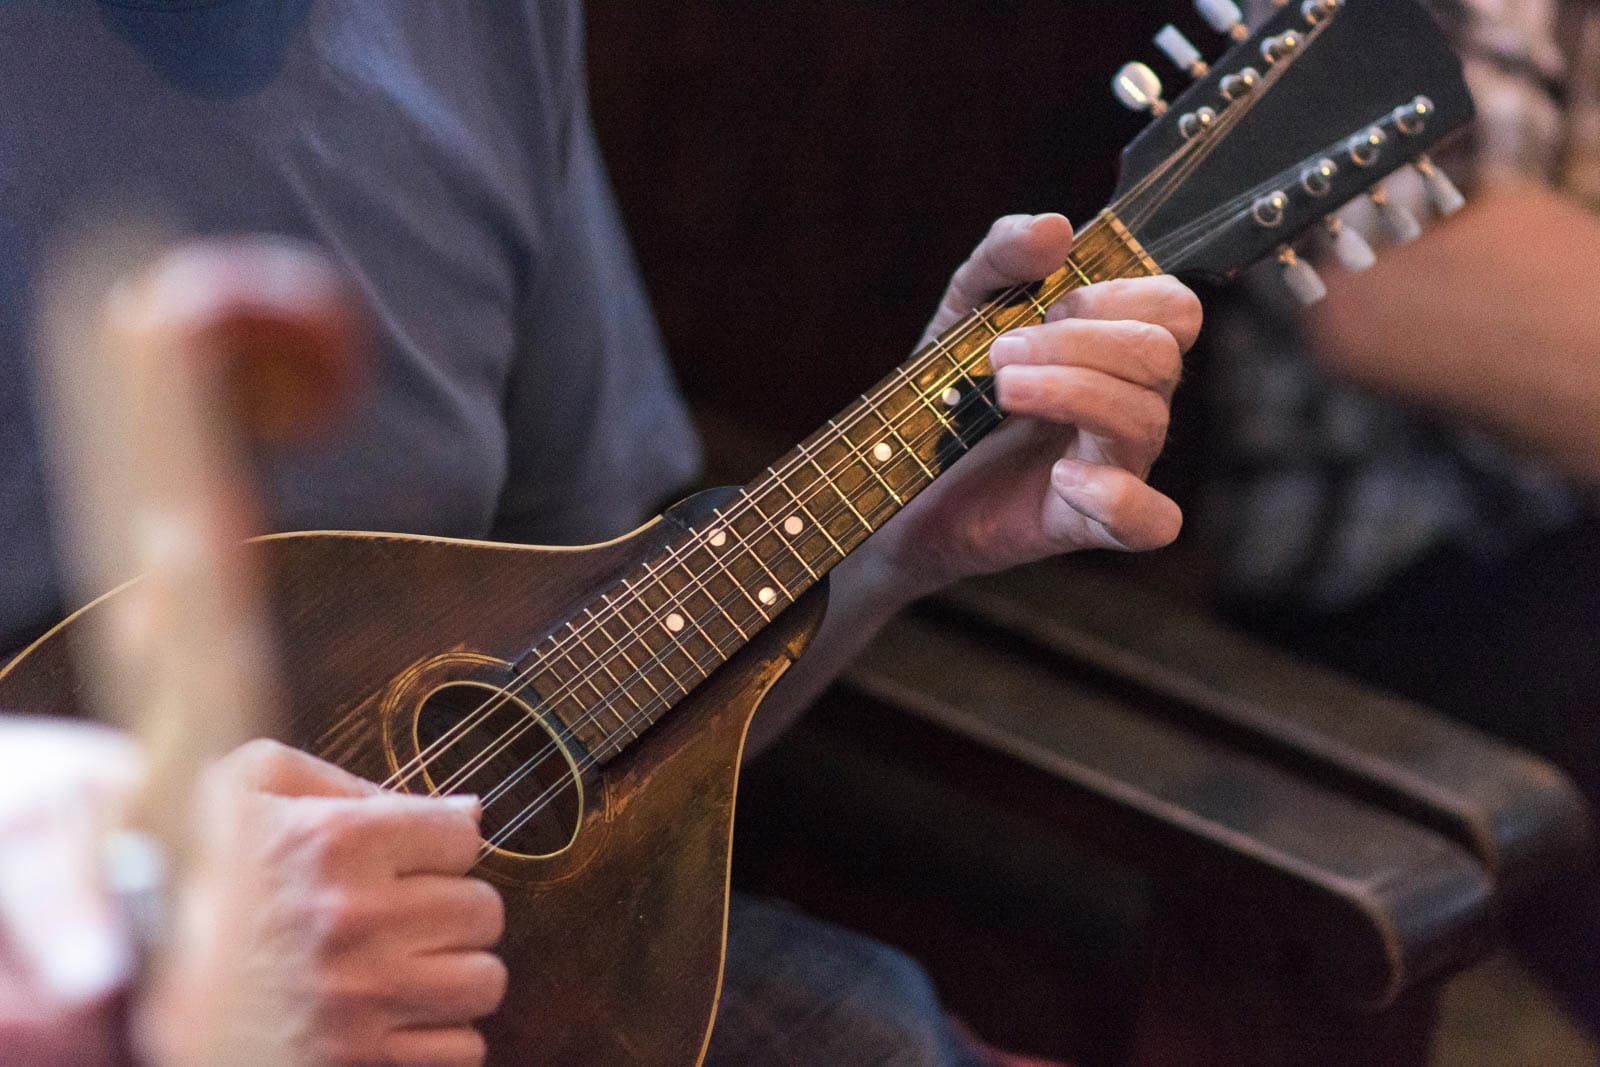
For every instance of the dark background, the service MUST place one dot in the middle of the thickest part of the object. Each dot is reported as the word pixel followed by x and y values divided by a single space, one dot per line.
pixel 800 179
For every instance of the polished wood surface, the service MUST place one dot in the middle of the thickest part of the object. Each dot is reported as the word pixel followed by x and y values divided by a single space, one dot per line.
pixel 614 945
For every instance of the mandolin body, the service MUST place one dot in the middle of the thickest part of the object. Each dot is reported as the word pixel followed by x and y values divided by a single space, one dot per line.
pixel 615 943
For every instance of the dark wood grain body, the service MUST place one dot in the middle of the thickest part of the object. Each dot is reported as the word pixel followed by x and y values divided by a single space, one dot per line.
pixel 615 945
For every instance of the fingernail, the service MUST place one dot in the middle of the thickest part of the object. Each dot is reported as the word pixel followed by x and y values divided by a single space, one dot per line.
pixel 467 802
pixel 1069 474
pixel 1007 349
pixel 1012 386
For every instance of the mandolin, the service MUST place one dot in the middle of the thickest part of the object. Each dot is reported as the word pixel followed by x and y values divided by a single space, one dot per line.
pixel 597 698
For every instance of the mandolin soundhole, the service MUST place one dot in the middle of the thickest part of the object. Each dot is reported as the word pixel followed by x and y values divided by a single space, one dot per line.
pixel 476 739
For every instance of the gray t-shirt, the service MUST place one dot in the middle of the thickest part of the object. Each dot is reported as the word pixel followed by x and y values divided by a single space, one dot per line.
pixel 442 154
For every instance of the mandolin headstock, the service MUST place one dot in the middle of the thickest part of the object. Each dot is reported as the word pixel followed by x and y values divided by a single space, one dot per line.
pixel 1318 106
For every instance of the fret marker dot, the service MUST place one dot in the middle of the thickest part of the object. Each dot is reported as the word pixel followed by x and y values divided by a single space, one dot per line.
pixel 718 538
pixel 792 525
pixel 675 622
pixel 952 397
pixel 881 452
pixel 767 595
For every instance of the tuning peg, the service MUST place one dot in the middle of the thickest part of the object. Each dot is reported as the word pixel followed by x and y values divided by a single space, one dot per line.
pixel 1178 48
pixel 1317 11
pixel 1442 192
pixel 1349 247
pixel 1276 48
pixel 1223 16
pixel 1301 278
pixel 1398 224
pixel 1138 89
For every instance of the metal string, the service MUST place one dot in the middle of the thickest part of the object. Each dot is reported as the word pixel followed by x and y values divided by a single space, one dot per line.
pixel 406 772
pixel 960 370
pixel 580 633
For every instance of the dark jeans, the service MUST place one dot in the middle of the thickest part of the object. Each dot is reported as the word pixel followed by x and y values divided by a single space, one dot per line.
pixel 799 992
pixel 1512 648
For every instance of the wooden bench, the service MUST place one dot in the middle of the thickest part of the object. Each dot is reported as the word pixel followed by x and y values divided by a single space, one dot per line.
pixel 1118 831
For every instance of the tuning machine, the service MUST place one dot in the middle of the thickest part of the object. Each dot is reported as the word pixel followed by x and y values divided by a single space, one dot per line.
pixel 1223 16
pixel 1138 89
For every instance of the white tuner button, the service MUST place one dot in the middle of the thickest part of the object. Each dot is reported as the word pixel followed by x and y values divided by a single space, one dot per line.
pixel 1223 16
pixel 1442 192
pixel 1138 89
pixel 1349 247
pixel 1301 278
pixel 1398 224
pixel 1178 48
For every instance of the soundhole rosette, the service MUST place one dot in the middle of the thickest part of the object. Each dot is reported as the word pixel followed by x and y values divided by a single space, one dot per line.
pixel 474 737
pixel 456 723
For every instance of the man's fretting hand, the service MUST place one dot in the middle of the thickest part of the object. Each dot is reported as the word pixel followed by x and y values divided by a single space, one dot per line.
pixel 331 919
pixel 1091 390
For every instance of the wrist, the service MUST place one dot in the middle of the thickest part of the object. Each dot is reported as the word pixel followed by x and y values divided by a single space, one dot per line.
pixel 881 572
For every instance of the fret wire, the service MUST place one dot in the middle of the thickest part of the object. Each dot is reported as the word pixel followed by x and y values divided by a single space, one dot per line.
pixel 865 522
pixel 977 391
pixel 851 445
pixel 715 558
pixel 1033 298
pixel 588 676
pixel 806 455
pixel 777 532
pixel 753 555
pixel 621 650
pixel 802 506
pixel 755 552
pixel 701 579
pixel 1079 271
pixel 978 313
pixel 949 427
pixel 672 635
pixel 650 625
pixel 876 410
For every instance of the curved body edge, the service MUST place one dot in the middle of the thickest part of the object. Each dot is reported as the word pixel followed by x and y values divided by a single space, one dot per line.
pixel 615 951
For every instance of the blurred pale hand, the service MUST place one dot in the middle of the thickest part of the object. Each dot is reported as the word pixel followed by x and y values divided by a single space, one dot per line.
pixel 331 919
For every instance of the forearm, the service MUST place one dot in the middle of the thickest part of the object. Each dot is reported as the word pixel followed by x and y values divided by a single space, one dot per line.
pixel 1489 320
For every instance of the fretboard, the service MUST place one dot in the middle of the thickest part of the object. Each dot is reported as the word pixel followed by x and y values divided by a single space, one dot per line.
pixel 631 654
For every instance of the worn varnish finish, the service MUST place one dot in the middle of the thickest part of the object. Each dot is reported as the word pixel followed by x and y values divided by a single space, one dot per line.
pixel 641 899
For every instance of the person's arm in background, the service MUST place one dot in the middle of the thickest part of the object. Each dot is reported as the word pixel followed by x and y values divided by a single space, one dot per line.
pixel 1493 318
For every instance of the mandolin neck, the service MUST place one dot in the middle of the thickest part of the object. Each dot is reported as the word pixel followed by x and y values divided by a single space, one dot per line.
pixel 646 642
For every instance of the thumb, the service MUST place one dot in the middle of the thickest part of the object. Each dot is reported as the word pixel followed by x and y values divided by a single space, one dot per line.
pixel 1018 249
